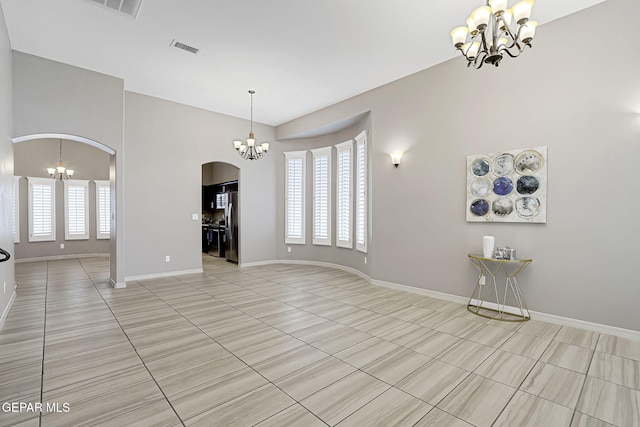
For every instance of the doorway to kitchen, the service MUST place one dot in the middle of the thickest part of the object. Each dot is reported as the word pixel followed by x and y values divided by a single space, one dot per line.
pixel 220 211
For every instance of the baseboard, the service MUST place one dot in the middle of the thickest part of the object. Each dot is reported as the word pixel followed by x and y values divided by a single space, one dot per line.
pixel 160 275
pixel 544 317
pixel 6 311
pixel 117 285
pixel 59 257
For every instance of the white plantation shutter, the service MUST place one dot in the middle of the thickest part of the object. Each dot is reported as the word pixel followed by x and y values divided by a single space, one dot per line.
pixel 103 209
pixel 42 209
pixel 76 201
pixel 361 192
pixel 295 197
pixel 16 209
pixel 343 195
pixel 322 196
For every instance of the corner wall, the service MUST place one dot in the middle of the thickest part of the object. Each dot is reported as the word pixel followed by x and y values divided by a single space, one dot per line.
pixel 167 143
pixel 582 100
pixel 52 97
pixel 7 269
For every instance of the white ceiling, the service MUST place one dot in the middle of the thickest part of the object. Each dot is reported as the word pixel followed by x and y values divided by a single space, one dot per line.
pixel 298 55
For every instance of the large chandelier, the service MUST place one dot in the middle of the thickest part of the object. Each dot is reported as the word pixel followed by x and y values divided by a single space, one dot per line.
pixel 490 34
pixel 249 150
pixel 60 172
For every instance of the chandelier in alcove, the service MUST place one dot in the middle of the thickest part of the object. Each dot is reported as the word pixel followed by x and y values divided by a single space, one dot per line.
pixel 60 172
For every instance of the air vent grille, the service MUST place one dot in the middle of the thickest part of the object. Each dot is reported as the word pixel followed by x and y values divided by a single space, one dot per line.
pixel 128 7
pixel 184 47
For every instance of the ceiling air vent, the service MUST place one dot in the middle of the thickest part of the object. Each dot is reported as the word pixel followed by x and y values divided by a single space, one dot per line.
pixel 128 7
pixel 184 47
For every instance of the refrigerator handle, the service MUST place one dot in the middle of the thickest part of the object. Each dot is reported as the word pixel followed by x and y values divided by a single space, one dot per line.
pixel 230 220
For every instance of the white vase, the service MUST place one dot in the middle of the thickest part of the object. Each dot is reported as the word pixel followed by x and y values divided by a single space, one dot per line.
pixel 488 245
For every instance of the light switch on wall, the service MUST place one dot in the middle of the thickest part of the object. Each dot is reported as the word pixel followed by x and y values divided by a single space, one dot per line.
pixel 194 217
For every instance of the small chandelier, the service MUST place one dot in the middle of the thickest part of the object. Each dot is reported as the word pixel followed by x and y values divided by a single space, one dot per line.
pixel 60 172
pixel 490 33
pixel 249 150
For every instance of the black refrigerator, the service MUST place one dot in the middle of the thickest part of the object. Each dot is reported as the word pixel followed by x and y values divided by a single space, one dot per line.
pixel 231 217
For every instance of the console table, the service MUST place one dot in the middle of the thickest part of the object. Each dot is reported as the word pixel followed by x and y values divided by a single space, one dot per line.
pixel 498 310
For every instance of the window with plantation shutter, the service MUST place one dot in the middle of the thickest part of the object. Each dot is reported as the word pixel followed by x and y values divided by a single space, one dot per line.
pixel 16 209
pixel 103 209
pixel 76 209
pixel 42 209
pixel 295 197
pixel 361 192
pixel 343 194
pixel 322 196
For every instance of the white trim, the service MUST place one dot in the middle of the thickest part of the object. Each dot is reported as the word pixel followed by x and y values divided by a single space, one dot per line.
pixel 302 156
pixel 98 185
pixel 544 317
pixel 52 184
pixel 117 285
pixel 6 311
pixel 160 275
pixel 318 153
pixel 361 141
pixel 63 136
pixel 84 184
pixel 346 146
pixel 58 257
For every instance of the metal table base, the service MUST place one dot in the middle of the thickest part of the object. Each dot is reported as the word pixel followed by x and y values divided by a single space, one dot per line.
pixel 498 310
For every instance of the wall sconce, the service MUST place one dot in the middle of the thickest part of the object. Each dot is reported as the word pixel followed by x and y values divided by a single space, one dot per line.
pixel 396 158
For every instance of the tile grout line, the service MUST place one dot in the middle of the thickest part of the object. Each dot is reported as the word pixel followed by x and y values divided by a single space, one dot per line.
pixel 134 348
pixel 44 338
pixel 215 341
pixel 593 354
pixel 330 355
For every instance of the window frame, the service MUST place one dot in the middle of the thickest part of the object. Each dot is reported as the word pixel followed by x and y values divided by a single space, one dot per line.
pixel 100 235
pixel 317 154
pixel 341 186
pixel 78 183
pixel 50 237
pixel 362 185
pixel 289 157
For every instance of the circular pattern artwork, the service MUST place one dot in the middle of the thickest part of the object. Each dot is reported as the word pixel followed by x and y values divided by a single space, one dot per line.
pixel 502 186
pixel 480 187
pixel 527 207
pixel 504 165
pixel 529 162
pixel 508 186
pixel 479 207
pixel 527 184
pixel 481 166
pixel 502 206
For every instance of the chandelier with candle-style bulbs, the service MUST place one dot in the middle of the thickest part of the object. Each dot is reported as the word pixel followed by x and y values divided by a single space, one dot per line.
pixel 248 150
pixel 60 172
pixel 489 33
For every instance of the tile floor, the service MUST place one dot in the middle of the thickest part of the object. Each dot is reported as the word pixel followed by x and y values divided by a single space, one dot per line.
pixel 292 345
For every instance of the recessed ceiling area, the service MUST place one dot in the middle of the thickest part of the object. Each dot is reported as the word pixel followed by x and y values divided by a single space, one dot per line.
pixel 298 55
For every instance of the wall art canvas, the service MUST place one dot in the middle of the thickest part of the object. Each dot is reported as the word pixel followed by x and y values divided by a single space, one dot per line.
pixel 510 186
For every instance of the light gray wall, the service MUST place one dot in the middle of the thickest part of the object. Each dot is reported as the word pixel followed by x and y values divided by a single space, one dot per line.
pixel 166 136
pixel 223 172
pixel 581 98
pixel 32 158
pixel 7 271
pixel 51 97
pixel 333 254
pixel 218 173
